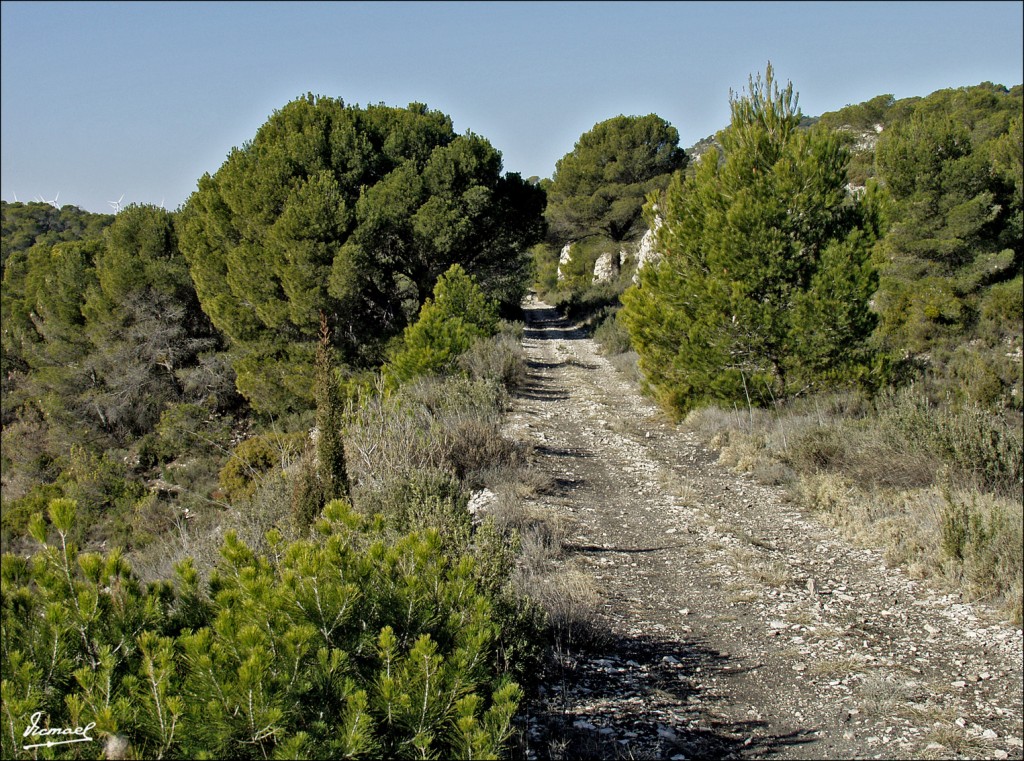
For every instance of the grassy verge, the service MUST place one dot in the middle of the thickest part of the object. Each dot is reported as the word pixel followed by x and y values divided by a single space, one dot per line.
pixel 937 487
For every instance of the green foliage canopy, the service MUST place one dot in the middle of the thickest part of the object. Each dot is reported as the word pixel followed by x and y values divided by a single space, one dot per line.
pixel 599 187
pixel 352 212
pixel 764 283
pixel 352 644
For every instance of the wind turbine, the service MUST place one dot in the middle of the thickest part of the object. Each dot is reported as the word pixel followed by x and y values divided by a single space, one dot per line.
pixel 116 205
pixel 52 203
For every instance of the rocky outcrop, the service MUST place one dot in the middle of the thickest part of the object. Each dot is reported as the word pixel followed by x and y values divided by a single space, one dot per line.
pixel 608 265
pixel 646 251
pixel 563 260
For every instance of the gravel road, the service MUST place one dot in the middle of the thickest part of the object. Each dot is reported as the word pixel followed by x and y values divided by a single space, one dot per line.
pixel 737 625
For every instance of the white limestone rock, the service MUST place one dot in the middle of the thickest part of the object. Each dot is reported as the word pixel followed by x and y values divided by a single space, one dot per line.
pixel 563 260
pixel 646 252
pixel 607 266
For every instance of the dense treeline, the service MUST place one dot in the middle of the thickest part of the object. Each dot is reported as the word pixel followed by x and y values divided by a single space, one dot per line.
pixel 875 245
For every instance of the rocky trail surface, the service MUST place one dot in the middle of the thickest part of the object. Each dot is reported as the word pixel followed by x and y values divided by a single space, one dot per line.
pixel 736 626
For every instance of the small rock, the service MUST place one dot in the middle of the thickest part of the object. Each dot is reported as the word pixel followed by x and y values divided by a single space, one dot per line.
pixel 581 724
pixel 989 734
pixel 959 683
pixel 776 624
pixel 800 667
pixel 1000 754
pixel 931 629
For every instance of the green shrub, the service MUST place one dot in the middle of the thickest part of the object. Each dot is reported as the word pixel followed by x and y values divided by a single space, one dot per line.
pixel 355 643
pixel 16 513
pixel 254 458
pixel 612 335
pixel 458 314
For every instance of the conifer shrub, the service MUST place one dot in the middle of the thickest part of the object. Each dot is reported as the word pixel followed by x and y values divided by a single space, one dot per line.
pixel 354 643
pixel 458 314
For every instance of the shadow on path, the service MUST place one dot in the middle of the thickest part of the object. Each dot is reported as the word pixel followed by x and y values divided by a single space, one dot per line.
pixel 641 697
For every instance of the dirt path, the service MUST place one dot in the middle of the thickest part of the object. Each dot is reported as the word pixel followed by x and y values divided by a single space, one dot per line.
pixel 739 626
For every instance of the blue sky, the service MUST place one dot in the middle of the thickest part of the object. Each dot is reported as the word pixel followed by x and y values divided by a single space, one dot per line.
pixel 104 99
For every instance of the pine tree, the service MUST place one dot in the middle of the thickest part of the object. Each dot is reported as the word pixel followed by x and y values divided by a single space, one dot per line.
pixel 764 283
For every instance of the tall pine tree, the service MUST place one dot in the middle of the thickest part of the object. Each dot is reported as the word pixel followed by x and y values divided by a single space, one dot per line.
pixel 764 283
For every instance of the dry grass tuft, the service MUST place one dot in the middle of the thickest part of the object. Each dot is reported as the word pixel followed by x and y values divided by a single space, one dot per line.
pixel 937 487
pixel 572 603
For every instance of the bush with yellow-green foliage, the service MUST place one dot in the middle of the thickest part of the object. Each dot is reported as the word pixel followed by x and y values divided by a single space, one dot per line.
pixel 449 323
pixel 353 643
pixel 255 458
